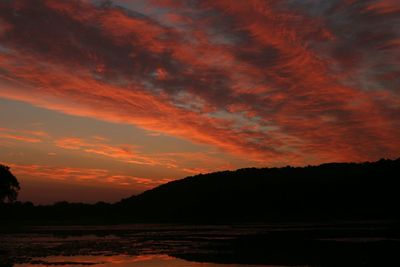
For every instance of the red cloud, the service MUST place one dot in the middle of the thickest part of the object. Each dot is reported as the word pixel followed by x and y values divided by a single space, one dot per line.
pixel 271 81
pixel 384 7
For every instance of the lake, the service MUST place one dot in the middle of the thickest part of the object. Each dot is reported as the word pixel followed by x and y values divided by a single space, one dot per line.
pixel 122 261
pixel 152 245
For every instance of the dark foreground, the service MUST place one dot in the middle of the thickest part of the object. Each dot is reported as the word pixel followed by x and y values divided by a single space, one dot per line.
pixel 333 244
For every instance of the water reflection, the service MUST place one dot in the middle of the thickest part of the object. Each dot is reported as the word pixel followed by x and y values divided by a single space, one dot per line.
pixel 121 261
pixel 361 244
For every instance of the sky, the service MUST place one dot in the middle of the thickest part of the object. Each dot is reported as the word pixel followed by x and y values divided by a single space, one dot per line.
pixel 100 100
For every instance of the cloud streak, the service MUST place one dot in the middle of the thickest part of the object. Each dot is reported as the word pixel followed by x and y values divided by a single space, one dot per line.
pixel 84 176
pixel 22 135
pixel 125 153
pixel 274 81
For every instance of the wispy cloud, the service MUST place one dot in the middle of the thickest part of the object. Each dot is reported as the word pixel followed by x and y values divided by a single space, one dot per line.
pixel 272 81
pixel 126 153
pixel 22 135
pixel 101 177
pixel 180 161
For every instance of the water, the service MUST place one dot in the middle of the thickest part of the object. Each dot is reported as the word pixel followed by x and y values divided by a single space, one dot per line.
pixel 122 261
pixel 338 244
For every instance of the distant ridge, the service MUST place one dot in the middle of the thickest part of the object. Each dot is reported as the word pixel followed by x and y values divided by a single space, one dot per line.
pixel 367 190
pixel 328 192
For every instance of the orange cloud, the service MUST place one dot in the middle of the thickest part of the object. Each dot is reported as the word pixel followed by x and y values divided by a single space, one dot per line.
pixel 276 82
pixel 20 138
pixel 22 135
pixel 101 177
pixel 125 153
pixel 181 161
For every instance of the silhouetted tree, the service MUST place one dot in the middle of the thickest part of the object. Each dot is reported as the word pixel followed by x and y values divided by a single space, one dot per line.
pixel 9 185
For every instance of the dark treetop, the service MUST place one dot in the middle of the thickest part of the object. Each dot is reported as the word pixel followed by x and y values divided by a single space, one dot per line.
pixel 9 185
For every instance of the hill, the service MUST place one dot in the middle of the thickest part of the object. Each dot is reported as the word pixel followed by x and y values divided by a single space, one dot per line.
pixel 328 192
pixel 332 191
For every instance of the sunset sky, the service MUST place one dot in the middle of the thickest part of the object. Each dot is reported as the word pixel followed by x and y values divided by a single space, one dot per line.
pixel 100 100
